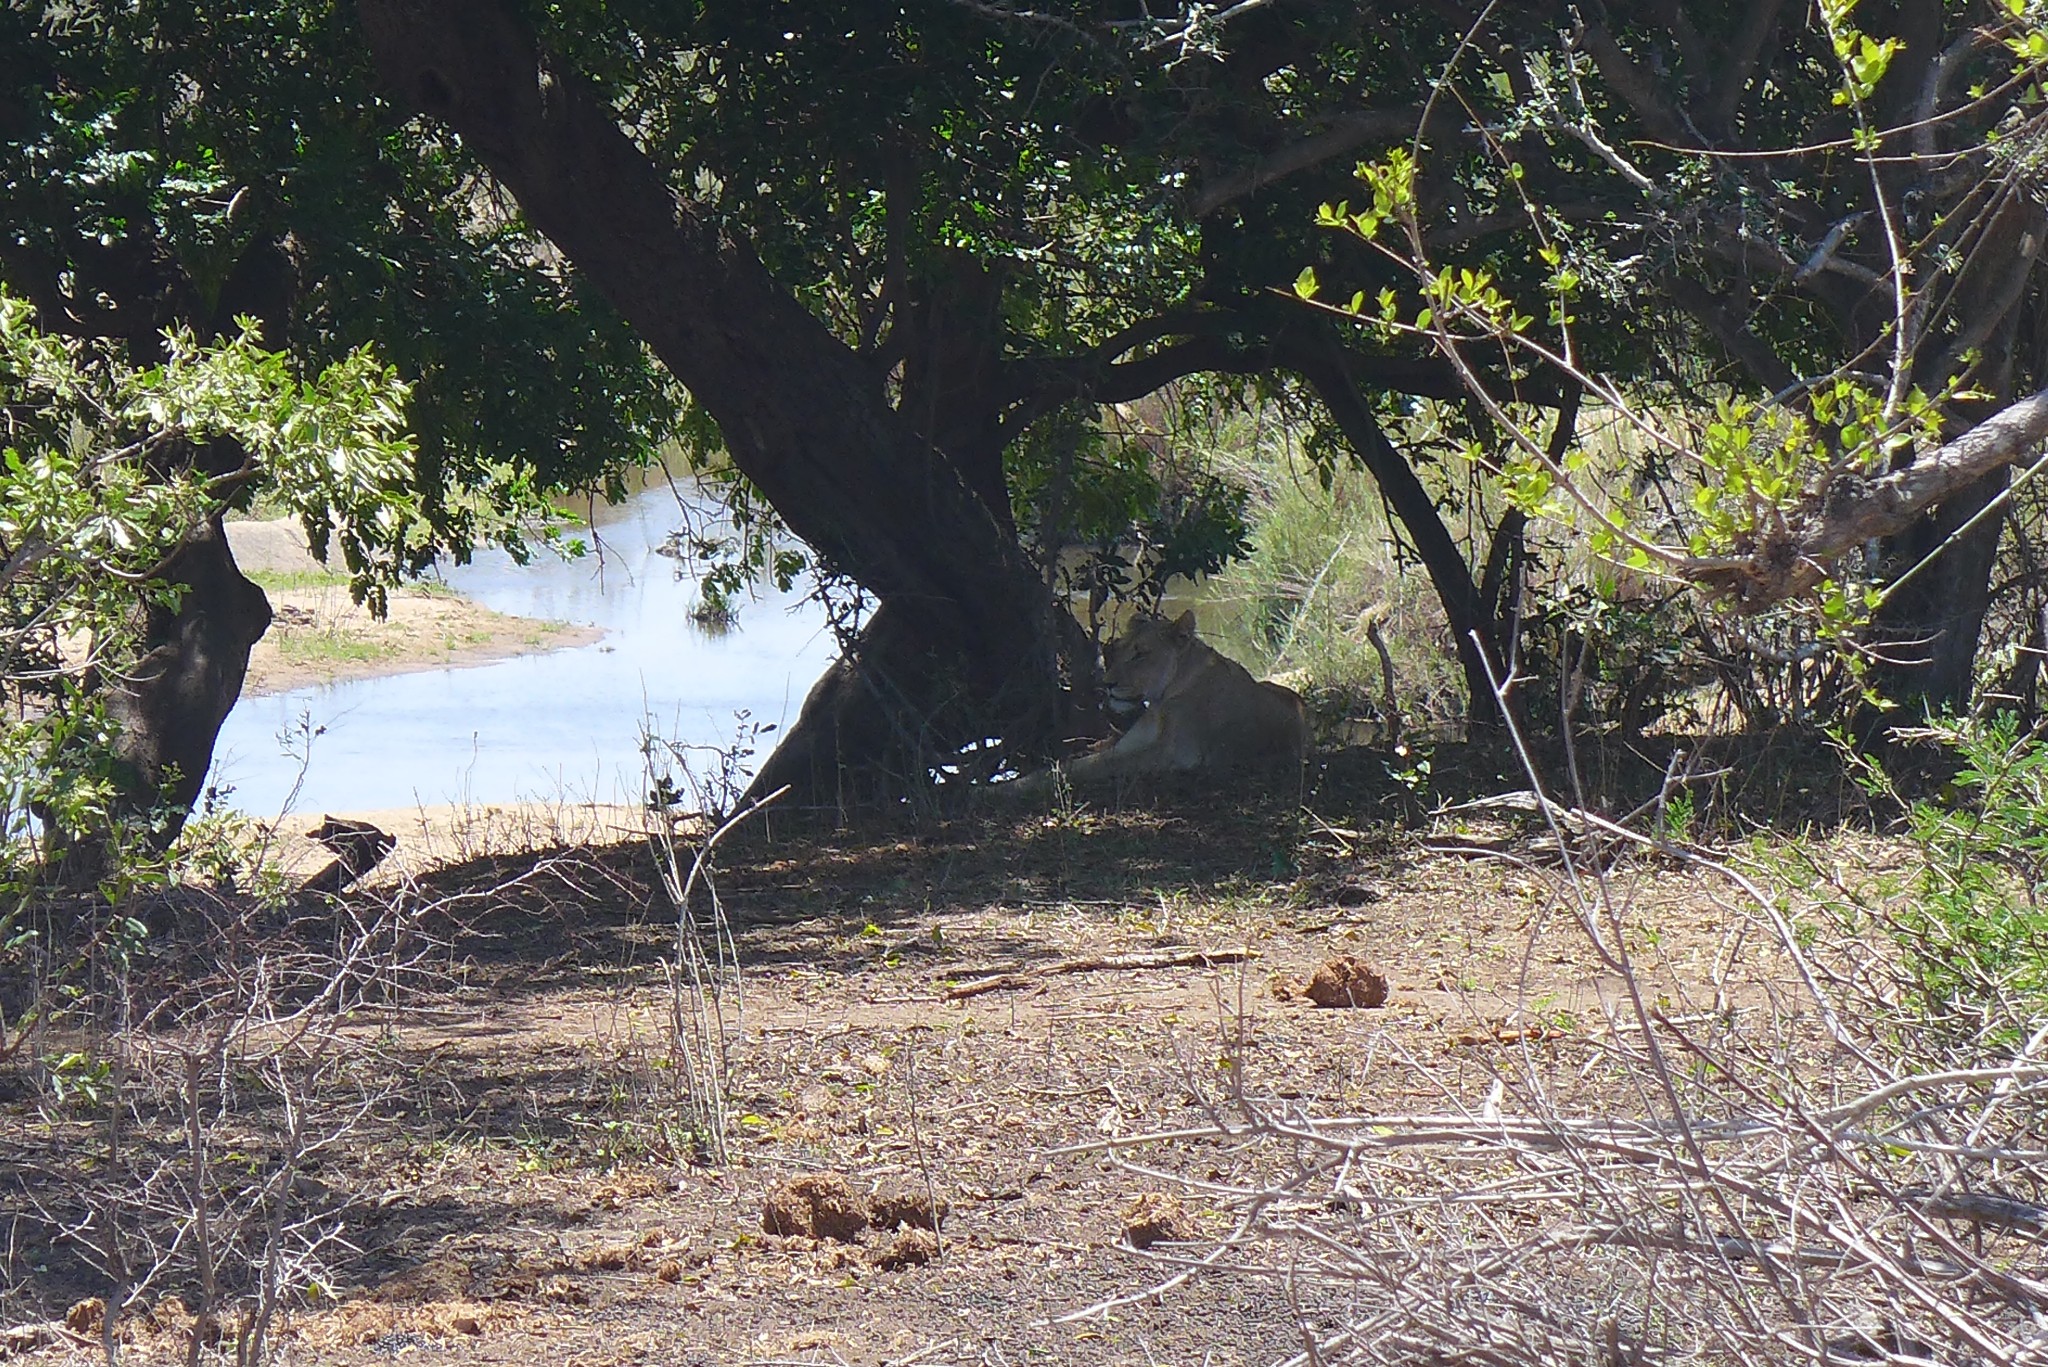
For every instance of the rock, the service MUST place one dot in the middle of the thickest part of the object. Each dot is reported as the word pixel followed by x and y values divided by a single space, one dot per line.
pixel 1347 980
pixel 914 1206
pixel 819 1206
pixel 1155 1218
pixel 910 1248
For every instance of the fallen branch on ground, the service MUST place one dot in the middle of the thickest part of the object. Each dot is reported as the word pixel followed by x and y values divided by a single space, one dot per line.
pixel 1101 963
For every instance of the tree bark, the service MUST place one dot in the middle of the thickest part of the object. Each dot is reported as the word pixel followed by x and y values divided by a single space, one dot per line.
pixel 801 414
pixel 952 344
pixel 1473 628
pixel 881 704
pixel 171 705
pixel 1926 636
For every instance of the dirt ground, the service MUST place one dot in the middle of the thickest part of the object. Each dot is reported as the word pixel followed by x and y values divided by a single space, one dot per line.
pixel 936 1010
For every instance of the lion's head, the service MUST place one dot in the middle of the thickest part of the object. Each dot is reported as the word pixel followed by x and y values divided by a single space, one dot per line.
pixel 1139 664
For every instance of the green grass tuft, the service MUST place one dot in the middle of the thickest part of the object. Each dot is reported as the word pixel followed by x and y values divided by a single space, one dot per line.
pixel 285 581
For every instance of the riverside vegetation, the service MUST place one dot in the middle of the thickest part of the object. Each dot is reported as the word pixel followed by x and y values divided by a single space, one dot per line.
pixel 540 1090
pixel 1647 968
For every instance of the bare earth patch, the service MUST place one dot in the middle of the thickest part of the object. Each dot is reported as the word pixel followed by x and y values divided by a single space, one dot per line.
pixel 438 837
pixel 319 636
pixel 531 1190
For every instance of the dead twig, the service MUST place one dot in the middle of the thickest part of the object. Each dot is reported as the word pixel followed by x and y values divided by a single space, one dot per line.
pixel 1101 963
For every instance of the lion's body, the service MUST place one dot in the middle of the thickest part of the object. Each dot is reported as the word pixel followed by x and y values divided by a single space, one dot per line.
pixel 1203 710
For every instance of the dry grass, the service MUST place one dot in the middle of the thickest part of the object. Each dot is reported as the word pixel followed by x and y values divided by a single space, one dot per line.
pixel 530 1185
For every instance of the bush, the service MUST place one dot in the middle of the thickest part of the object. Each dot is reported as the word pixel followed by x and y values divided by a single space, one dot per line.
pixel 1967 920
pixel 106 471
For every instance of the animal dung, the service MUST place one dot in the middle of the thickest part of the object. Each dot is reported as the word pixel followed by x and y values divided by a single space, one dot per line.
pixel 1347 981
pixel 1155 1218
pixel 817 1206
pixel 911 1205
pixel 910 1248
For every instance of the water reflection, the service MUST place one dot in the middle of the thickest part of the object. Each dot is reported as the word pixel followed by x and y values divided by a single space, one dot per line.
pixel 565 723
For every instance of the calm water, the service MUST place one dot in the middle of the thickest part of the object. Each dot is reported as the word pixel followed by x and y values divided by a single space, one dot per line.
pixel 563 724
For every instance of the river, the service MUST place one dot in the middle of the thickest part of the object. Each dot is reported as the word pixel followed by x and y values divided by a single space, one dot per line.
pixel 562 725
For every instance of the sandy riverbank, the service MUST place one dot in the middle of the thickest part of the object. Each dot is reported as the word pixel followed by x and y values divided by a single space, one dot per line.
pixel 436 837
pixel 318 635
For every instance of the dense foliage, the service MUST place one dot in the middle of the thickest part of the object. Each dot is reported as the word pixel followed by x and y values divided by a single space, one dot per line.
pixel 169 164
pixel 1839 210
pixel 99 496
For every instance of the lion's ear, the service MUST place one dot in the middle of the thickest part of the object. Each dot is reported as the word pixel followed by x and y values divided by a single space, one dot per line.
pixel 1185 623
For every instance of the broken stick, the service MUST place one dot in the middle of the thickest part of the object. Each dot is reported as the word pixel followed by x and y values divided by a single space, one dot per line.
pixel 1101 963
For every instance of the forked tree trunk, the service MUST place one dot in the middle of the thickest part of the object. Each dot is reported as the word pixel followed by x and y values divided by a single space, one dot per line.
pixel 803 417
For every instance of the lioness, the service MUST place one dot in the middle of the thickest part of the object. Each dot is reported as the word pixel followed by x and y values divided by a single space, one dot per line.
pixel 1203 710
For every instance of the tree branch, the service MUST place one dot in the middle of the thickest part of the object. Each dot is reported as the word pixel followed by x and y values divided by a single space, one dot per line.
pixel 1786 565
pixel 1331 371
pixel 1346 133
pixel 1637 88
pixel 1743 55
pixel 1732 332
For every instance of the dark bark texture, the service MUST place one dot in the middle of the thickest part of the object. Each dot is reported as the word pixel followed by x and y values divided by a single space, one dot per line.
pixel 801 413
pixel 171 705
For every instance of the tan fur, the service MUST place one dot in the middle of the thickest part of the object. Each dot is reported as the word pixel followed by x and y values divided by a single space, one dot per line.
pixel 1203 710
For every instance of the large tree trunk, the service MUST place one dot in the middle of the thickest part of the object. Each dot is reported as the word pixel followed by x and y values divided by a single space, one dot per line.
pixel 1929 631
pixel 952 341
pixel 802 415
pixel 168 708
pixel 873 721
pixel 1926 635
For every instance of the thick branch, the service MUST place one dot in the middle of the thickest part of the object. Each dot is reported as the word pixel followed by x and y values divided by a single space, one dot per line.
pixel 1458 234
pixel 1329 371
pixel 1785 566
pixel 1691 48
pixel 1733 333
pixel 1743 54
pixel 1637 88
pixel 1040 384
